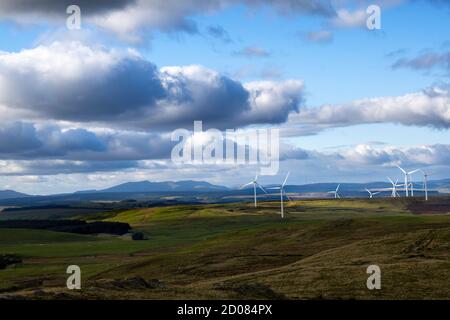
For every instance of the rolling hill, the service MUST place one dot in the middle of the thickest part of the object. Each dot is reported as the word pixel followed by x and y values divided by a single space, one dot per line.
pixel 9 194
pixel 147 186
pixel 320 250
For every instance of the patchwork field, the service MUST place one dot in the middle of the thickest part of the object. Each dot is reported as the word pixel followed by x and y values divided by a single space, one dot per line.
pixel 233 251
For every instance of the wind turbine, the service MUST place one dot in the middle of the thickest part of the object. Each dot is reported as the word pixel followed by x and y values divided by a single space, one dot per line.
pixel 335 192
pixel 255 184
pixel 407 174
pixel 394 188
pixel 371 194
pixel 425 184
pixel 411 184
pixel 281 188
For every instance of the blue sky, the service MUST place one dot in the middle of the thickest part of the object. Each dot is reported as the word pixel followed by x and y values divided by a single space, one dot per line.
pixel 398 121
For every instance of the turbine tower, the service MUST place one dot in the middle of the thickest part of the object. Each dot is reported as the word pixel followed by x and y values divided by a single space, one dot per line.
pixel 394 188
pixel 336 192
pixel 371 194
pixel 255 184
pixel 425 184
pixel 281 188
pixel 407 179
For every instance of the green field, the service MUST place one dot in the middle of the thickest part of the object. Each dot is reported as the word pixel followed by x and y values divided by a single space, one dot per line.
pixel 233 251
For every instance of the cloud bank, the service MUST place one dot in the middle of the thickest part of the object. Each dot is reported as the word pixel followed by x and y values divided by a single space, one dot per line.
pixel 127 18
pixel 79 83
pixel 428 108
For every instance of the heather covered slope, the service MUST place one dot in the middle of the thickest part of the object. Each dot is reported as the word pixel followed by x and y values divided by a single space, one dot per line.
pixel 319 251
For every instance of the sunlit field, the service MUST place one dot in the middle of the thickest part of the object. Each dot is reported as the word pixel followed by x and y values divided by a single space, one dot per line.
pixel 320 250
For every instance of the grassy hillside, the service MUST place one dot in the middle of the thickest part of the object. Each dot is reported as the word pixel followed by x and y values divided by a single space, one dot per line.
pixel 319 251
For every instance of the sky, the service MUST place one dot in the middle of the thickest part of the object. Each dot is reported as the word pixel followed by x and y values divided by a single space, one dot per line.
pixel 92 107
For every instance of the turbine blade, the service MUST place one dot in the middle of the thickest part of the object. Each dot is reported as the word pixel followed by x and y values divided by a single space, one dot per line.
pixel 337 189
pixel 287 176
pixel 401 169
pixel 261 187
pixel 246 185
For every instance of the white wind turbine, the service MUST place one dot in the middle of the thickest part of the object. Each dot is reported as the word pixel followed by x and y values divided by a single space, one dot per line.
pixel 255 184
pixel 407 179
pixel 336 192
pixel 281 188
pixel 425 184
pixel 394 188
pixel 371 194
pixel 411 184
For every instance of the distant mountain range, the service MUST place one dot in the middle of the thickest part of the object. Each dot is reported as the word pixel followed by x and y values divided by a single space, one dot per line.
pixel 9 194
pixel 129 190
pixel 194 190
pixel 147 186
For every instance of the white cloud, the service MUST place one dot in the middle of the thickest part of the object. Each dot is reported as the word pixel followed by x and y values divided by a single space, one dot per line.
pixel 272 102
pixel 430 108
pixel 74 82
pixel 365 162
pixel 133 20
pixel 350 19
pixel 389 156
pixel 129 18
